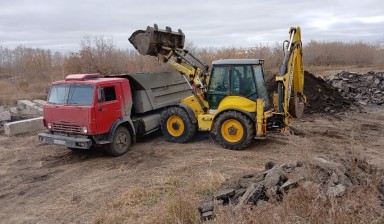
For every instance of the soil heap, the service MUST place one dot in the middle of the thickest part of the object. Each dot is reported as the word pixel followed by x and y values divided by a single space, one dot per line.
pixel 321 96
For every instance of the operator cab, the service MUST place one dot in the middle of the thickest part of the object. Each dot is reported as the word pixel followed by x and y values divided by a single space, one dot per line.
pixel 237 77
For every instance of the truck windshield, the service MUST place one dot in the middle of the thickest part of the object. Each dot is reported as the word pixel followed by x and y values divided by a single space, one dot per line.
pixel 71 94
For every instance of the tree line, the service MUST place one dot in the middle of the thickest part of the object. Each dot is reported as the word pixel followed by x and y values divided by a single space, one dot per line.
pixel 99 54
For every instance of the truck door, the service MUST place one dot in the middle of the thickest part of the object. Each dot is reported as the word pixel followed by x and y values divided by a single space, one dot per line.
pixel 108 108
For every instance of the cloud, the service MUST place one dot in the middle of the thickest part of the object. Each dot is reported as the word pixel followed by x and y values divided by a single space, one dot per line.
pixel 60 25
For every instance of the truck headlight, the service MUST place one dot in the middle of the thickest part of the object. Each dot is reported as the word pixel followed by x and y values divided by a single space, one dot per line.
pixel 85 130
pixel 49 126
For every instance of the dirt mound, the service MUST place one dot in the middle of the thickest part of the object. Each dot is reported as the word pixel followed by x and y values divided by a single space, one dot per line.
pixel 332 179
pixel 321 96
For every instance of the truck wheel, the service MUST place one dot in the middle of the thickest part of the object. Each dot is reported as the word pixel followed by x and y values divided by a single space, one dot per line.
pixel 177 126
pixel 234 130
pixel 120 143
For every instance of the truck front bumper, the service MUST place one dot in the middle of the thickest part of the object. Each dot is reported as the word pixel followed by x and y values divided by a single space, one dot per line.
pixel 70 142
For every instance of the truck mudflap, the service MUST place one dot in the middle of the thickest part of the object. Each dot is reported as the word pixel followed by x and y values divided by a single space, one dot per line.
pixel 70 142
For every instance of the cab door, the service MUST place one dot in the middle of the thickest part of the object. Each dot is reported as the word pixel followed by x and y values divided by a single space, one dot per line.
pixel 219 86
pixel 108 108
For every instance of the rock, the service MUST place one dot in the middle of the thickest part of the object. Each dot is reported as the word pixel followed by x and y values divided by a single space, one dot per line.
pixel 207 216
pixel 273 192
pixel 248 176
pixel 14 110
pixel 377 81
pixel 269 165
pixel 336 191
pixel 299 163
pixel 254 193
pixel 288 166
pixel 291 183
pixel 331 167
pixel 5 116
pixel 334 178
pixel 240 192
pixel 205 207
pixel 39 103
pixel 274 177
pixel 224 194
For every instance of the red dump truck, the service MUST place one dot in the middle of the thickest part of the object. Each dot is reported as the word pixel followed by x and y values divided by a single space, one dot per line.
pixel 85 110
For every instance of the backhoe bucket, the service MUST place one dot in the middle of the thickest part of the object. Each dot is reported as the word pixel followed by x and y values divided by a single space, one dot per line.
pixel 152 40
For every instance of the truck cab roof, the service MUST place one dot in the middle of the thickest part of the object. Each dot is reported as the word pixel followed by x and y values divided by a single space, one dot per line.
pixel 92 79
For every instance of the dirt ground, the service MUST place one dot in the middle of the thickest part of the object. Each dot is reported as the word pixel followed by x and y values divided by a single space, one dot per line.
pixel 50 184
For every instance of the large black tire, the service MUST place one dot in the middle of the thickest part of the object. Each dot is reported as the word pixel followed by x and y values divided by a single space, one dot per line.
pixel 177 126
pixel 121 142
pixel 234 130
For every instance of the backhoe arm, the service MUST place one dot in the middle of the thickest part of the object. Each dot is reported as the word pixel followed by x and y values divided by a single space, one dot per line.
pixel 291 77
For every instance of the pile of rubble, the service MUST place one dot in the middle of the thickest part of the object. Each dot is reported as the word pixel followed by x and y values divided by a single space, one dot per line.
pixel 25 117
pixel 364 88
pixel 334 177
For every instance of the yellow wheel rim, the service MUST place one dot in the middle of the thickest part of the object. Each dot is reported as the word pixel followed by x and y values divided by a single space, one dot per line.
pixel 232 130
pixel 175 126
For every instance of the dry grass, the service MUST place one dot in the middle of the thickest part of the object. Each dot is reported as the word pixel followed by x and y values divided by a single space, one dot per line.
pixel 11 91
pixel 175 201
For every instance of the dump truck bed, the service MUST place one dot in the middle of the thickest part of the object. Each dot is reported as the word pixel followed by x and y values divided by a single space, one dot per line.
pixel 155 91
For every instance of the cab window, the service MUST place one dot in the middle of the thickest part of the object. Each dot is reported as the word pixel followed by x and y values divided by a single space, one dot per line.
pixel 218 86
pixel 243 83
pixel 106 94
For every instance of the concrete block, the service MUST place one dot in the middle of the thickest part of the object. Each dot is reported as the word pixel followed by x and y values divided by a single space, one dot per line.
pixel 27 107
pixel 24 126
pixel 5 116
pixel 25 104
pixel 14 110
pixel 39 103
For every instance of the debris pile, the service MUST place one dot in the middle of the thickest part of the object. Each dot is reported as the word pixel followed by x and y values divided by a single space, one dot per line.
pixel 24 110
pixel 333 177
pixel 365 88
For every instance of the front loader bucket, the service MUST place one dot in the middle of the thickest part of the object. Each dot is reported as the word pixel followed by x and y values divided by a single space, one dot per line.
pixel 152 40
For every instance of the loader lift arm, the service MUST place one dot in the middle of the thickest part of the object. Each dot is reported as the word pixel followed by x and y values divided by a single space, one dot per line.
pixel 168 47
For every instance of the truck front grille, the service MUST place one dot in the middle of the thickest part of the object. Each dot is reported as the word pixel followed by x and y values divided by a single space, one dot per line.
pixel 67 128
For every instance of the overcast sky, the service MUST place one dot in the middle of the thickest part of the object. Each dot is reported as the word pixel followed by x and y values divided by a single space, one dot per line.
pixel 62 24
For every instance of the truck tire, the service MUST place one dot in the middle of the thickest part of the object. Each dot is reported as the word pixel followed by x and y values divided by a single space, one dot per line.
pixel 177 126
pixel 120 143
pixel 234 130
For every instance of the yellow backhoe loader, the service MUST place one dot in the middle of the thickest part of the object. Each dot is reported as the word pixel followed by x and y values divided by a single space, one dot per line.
pixel 230 98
